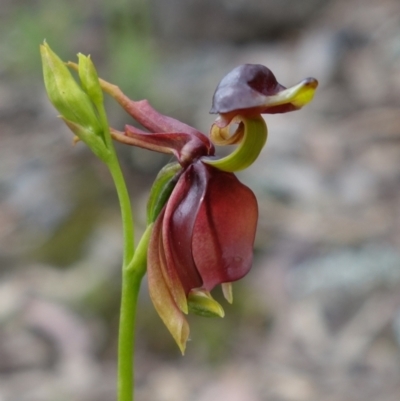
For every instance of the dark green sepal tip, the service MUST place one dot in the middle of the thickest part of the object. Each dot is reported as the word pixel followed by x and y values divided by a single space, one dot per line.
pixel 161 190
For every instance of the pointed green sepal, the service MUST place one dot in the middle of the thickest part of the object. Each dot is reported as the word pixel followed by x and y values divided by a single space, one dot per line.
pixel 251 136
pixel 84 134
pixel 201 303
pixel 90 80
pixel 161 190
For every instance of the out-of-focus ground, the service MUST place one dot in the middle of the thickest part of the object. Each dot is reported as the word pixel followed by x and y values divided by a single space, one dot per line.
pixel 318 317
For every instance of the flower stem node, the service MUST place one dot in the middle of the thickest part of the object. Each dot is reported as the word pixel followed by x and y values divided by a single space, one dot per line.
pixel 201 303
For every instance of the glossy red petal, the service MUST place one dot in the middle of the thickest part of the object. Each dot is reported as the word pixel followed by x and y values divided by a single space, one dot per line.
pixel 144 113
pixel 225 227
pixel 151 119
pixel 171 277
pixel 184 146
pixel 154 121
pixel 179 219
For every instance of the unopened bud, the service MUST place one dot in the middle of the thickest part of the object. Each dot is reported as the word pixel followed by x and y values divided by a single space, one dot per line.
pixel 74 105
pixel 90 80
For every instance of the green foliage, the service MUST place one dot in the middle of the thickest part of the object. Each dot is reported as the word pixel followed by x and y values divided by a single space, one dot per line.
pixel 131 55
pixel 122 25
pixel 27 25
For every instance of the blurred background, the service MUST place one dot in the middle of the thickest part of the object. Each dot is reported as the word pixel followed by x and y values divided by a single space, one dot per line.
pixel 318 317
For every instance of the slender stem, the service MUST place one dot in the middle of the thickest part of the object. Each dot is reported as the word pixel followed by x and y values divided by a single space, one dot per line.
pixel 130 288
pixel 131 279
pixel 122 191
pixel 133 269
pixel 126 211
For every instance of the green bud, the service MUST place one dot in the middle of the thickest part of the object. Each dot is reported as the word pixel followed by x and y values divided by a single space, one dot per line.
pixel 161 190
pixel 201 303
pixel 90 80
pixel 69 99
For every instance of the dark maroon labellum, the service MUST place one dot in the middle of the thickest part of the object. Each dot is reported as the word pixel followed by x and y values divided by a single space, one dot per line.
pixel 244 87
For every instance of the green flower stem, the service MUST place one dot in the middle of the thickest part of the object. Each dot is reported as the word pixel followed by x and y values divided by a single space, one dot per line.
pixel 126 210
pixel 120 185
pixel 130 288
pixel 131 278
pixel 133 270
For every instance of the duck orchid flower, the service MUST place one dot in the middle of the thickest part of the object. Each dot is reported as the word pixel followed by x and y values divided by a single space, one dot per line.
pixel 204 218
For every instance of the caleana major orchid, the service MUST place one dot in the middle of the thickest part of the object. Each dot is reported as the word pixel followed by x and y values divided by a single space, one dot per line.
pixel 201 219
